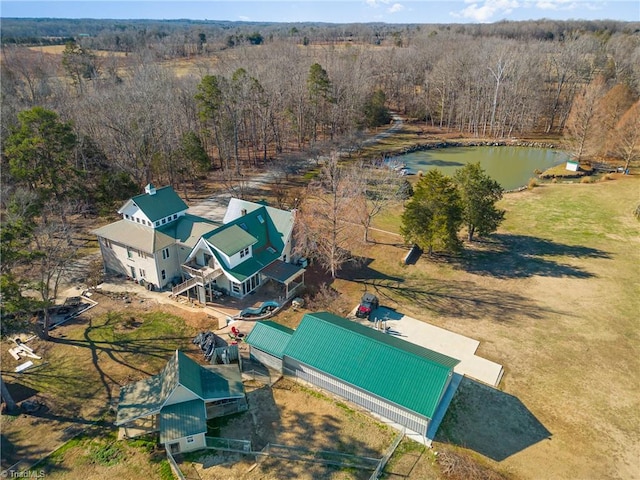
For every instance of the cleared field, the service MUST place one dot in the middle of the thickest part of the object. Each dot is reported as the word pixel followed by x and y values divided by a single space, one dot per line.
pixel 554 296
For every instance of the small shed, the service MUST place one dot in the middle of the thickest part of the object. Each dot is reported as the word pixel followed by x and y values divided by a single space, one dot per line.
pixel 572 166
pixel 268 340
pixel 178 401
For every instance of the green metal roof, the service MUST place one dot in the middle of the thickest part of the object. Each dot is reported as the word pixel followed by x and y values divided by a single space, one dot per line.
pixel 221 381
pixel 147 397
pixel 188 229
pixel 401 372
pixel 270 337
pixel 230 239
pixel 182 419
pixel 163 203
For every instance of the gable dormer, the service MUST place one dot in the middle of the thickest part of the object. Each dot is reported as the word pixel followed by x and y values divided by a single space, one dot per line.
pixel 154 208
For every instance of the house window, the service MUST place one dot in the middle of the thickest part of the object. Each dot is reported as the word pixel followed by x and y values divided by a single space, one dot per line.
pixel 260 219
pixel 143 274
pixel 235 287
pixel 189 439
pixel 140 254
pixel 244 252
pixel 164 220
pixel 129 253
pixel 107 243
pixel 165 253
pixel 175 216
pixel 164 274
pixel 137 220
pixel 133 272
pixel 127 216
pixel 157 223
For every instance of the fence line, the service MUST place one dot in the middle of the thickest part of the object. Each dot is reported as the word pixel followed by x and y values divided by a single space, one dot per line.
pixel 387 455
pixel 318 456
pixel 228 444
pixel 174 465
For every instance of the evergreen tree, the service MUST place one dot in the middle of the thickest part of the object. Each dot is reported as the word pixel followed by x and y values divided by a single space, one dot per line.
pixel 479 194
pixel 433 216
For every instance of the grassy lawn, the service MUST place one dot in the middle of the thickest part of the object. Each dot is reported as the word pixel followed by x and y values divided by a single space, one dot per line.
pixel 77 383
pixel 553 296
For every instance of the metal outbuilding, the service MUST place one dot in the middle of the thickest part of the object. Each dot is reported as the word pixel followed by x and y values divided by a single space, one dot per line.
pixel 268 340
pixel 393 379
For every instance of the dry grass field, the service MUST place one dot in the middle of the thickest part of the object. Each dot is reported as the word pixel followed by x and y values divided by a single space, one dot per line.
pixel 554 296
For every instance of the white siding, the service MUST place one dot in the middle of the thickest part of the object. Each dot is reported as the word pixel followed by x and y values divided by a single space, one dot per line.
pixel 180 395
pixel 198 442
pixel 266 359
pixel 377 405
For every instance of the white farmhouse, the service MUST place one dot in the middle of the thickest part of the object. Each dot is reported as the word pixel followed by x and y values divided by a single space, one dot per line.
pixel 157 243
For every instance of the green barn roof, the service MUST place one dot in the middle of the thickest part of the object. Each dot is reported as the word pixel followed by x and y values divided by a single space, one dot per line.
pixel 401 372
pixel 270 337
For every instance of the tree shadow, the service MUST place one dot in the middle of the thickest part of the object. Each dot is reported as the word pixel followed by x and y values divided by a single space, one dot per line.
pixel 292 430
pixel 522 256
pixel 158 347
pixel 456 298
pixel 360 271
pixel 490 422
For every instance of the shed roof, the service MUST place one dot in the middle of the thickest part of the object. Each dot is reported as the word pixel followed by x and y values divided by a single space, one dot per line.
pixel 148 396
pixel 270 337
pixel 164 202
pixel 401 372
pixel 182 419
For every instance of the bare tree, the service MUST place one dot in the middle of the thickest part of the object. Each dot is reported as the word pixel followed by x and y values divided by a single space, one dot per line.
pixel 376 188
pixel 627 133
pixel 581 123
pixel 324 229
pixel 53 252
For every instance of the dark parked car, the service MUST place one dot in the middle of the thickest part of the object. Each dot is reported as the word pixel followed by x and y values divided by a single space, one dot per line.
pixel 368 303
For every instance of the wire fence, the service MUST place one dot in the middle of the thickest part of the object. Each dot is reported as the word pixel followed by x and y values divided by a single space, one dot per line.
pixel 228 444
pixel 324 457
pixel 387 455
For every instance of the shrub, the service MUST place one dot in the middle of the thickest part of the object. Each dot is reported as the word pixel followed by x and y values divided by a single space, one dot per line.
pixel 533 183
pixel 554 180
pixel 586 180
pixel 462 466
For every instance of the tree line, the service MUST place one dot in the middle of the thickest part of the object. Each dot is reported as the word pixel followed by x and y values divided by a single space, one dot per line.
pixel 86 129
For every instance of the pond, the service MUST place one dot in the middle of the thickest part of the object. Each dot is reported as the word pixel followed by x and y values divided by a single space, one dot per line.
pixel 511 167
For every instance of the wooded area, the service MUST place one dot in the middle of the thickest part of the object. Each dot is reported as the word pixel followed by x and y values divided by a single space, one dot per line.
pixel 118 105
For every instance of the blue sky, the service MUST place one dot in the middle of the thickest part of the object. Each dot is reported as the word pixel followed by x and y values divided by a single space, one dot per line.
pixel 334 11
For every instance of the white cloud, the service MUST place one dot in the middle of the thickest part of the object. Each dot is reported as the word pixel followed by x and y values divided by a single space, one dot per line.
pixel 244 18
pixel 487 10
pixel 556 5
pixel 377 3
pixel 396 7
